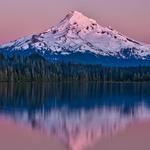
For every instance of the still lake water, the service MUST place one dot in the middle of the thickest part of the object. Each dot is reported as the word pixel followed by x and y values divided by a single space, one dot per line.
pixel 77 114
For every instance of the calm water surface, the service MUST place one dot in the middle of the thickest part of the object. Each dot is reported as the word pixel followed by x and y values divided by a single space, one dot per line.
pixel 77 114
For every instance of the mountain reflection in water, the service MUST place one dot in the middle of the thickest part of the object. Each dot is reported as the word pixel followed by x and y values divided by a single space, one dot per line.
pixel 77 114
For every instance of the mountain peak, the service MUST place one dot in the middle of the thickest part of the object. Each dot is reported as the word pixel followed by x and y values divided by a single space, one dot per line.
pixel 75 34
pixel 75 17
pixel 75 13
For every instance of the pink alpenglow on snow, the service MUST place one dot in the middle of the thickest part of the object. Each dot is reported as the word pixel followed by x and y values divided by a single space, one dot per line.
pixel 19 18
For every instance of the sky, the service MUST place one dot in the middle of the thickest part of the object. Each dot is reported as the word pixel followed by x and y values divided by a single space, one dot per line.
pixel 24 17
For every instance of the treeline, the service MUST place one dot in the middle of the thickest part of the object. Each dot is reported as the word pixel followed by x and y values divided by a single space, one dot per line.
pixel 35 68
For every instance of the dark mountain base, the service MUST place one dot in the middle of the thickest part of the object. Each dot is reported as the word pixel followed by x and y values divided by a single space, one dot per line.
pixel 90 58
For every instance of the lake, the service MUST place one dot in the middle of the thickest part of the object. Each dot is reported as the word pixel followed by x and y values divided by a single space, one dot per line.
pixel 78 114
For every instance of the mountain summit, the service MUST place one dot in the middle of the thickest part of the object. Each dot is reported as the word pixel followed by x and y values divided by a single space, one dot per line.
pixel 79 39
pixel 78 18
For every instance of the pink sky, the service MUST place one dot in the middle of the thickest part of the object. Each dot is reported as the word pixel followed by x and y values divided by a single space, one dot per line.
pixel 19 18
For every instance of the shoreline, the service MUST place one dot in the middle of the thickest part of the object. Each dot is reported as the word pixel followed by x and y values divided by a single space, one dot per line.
pixel 74 81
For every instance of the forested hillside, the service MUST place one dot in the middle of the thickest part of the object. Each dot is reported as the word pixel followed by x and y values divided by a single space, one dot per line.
pixel 36 68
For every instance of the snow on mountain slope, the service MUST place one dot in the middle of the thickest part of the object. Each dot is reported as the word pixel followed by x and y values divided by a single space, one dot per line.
pixel 77 33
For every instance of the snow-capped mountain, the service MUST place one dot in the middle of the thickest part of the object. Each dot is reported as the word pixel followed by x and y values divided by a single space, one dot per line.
pixel 80 39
